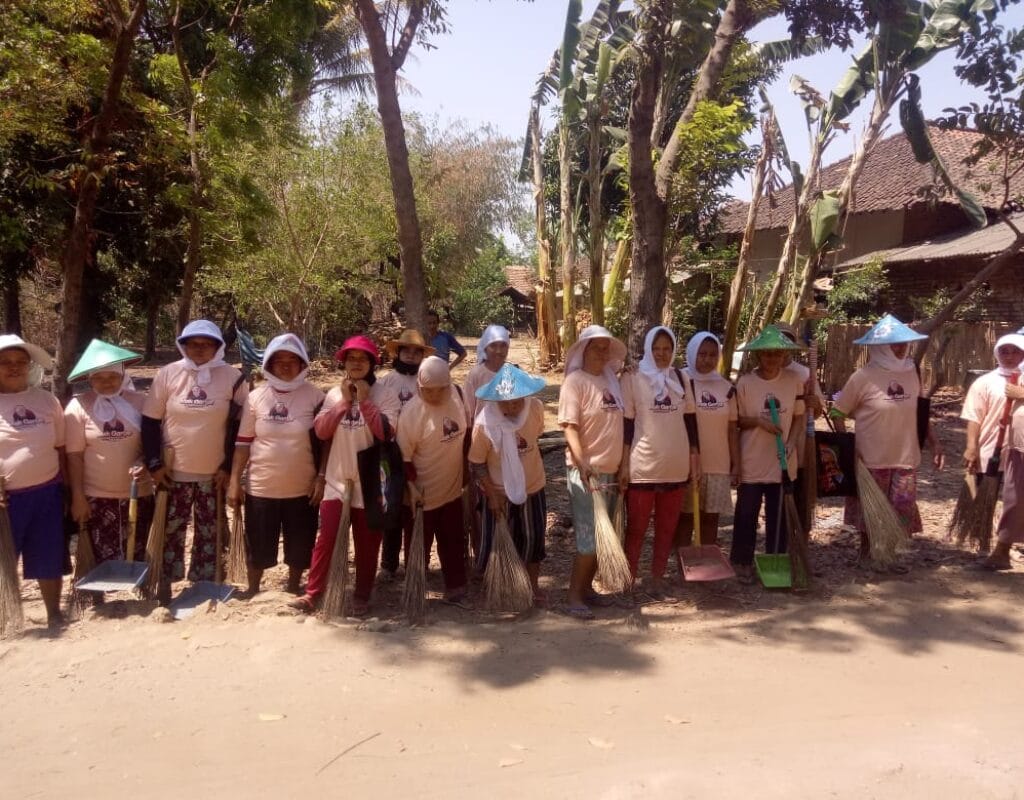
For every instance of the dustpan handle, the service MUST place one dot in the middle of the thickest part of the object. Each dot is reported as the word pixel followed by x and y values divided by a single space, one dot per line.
pixel 696 511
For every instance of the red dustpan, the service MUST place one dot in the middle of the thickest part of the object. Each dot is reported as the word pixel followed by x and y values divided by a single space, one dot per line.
pixel 704 562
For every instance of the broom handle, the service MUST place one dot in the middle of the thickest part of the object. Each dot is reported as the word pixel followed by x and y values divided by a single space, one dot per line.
pixel 133 519
pixel 696 512
pixel 779 446
pixel 992 468
pixel 218 571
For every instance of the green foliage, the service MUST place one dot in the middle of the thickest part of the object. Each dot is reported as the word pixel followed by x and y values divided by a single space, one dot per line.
pixel 698 289
pixel 854 297
pixel 971 310
pixel 475 300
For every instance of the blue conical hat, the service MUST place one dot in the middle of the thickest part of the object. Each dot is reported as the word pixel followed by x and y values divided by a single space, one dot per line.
pixel 889 330
pixel 100 354
pixel 510 383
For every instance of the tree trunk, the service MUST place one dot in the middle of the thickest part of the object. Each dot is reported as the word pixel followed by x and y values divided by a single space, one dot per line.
pixel 568 236
pixel 11 287
pixel 737 290
pixel 385 68
pixel 650 211
pixel 152 322
pixel 78 247
pixel 547 332
pixel 596 248
pixel 193 252
pixel 617 273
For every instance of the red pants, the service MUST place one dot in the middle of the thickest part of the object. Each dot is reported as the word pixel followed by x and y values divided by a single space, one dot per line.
pixel 666 506
pixel 444 523
pixel 367 551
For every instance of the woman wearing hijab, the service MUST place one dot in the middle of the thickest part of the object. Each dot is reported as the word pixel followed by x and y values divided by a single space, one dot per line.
pixel 31 466
pixel 768 386
pixel 192 408
pixel 103 434
pixel 717 415
pixel 491 354
pixel 275 441
pixel 407 353
pixel 506 463
pixel 662 451
pixel 590 409
pixel 355 414
pixel 432 437
pixel 882 398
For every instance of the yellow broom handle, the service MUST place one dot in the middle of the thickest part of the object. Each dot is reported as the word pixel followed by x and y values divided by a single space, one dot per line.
pixel 695 490
pixel 133 519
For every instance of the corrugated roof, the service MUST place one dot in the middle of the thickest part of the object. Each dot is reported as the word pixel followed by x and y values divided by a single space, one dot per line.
pixel 962 244
pixel 891 180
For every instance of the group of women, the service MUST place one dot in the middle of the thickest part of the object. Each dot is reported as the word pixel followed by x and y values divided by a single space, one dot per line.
pixel 669 442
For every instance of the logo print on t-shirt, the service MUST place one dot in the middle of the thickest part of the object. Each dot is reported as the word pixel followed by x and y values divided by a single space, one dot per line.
pixel 404 396
pixel 895 391
pixel 196 398
pixel 709 400
pixel 522 445
pixel 663 403
pixel 352 418
pixel 114 429
pixel 278 413
pixel 608 401
pixel 24 418
pixel 449 429
pixel 770 398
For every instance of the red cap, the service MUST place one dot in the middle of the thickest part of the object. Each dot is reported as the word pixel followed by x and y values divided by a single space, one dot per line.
pixel 360 342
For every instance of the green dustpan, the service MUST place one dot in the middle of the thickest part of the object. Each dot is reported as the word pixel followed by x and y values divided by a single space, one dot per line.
pixel 774 569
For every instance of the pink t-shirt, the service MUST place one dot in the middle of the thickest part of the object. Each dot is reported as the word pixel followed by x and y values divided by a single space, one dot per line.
pixel 109 450
pixel 884 406
pixel 586 402
pixel 759 454
pixel 431 437
pixel 479 376
pixel 661 447
pixel 276 425
pixel 351 436
pixel 31 428
pixel 402 385
pixel 195 417
pixel 482 450
pixel 984 405
pixel 715 399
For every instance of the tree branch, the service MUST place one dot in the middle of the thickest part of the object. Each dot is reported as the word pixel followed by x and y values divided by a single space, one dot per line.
pixel 405 41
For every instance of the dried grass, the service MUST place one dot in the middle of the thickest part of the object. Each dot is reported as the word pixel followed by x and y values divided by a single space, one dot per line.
pixel 414 593
pixel 507 585
pixel 885 531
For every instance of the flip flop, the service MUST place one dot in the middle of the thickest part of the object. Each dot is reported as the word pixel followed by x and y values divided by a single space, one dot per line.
pixel 303 604
pixel 579 612
pixel 599 600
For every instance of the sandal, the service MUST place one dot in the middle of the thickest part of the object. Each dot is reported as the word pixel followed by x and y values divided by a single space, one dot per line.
pixel 599 600
pixel 580 612
pixel 304 604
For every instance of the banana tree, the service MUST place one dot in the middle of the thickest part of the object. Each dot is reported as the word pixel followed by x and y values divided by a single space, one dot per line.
pixel 906 38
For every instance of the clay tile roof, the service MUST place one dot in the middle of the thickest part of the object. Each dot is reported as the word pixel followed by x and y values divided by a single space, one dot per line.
pixel 891 180
pixel 521 278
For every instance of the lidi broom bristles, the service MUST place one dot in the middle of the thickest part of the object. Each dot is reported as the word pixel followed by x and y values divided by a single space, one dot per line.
pixel 612 567
pixel 158 532
pixel 237 556
pixel 337 578
pixel 885 531
pixel 12 619
pixel 506 583
pixel 85 562
pixel 414 593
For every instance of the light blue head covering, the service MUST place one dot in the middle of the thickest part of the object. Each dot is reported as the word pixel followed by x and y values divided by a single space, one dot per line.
pixel 510 383
pixel 889 330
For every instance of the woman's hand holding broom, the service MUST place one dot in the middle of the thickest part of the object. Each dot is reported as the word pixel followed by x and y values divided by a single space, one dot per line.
pixel 316 490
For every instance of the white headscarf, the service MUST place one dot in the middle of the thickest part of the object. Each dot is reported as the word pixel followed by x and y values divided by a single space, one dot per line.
pixel 202 327
pixel 286 343
pixel 659 378
pixel 693 346
pixel 501 430
pixel 1017 340
pixel 110 406
pixel 491 334
pixel 882 356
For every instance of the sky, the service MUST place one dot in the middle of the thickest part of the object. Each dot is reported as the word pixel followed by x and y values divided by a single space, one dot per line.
pixel 485 69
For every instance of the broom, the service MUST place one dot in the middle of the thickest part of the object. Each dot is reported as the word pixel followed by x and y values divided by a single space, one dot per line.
pixel 506 583
pixel 11 618
pixel 885 531
pixel 158 531
pixel 974 512
pixel 810 482
pixel 612 566
pixel 414 593
pixel 238 571
pixel 337 578
pixel 799 559
pixel 85 562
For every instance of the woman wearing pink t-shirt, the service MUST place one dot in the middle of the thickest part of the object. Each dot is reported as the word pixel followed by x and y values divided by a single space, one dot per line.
pixel 31 466
pixel 881 397
pixel 276 443
pixel 104 445
pixel 355 415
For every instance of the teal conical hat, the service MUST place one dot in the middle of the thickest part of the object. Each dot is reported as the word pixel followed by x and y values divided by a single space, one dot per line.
pixel 510 383
pixel 889 330
pixel 100 354
pixel 771 338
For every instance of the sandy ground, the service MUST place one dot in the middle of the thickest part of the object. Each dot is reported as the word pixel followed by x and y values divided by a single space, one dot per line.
pixel 868 686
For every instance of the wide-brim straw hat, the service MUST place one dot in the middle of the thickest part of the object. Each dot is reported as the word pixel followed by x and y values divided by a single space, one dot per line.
pixel 771 338
pixel 100 354
pixel 35 352
pixel 889 330
pixel 510 383
pixel 575 353
pixel 410 338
